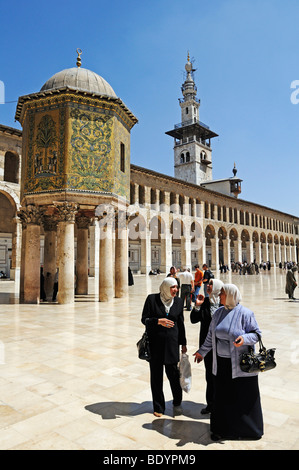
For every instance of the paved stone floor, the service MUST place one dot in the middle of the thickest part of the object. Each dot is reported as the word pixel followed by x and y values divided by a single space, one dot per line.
pixel 70 377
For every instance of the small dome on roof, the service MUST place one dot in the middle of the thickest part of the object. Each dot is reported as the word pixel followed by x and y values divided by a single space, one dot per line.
pixel 80 79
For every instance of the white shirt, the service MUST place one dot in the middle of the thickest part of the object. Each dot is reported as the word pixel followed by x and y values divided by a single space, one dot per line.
pixel 185 277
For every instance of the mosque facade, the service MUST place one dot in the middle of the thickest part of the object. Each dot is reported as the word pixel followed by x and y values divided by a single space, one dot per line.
pixel 72 203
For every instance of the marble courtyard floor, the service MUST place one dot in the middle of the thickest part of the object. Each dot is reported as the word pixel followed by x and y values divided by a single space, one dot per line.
pixel 70 377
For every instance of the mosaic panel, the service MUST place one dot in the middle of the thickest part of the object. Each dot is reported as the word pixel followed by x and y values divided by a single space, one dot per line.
pixel 90 151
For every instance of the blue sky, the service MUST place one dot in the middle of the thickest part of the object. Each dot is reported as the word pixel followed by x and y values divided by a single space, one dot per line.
pixel 246 55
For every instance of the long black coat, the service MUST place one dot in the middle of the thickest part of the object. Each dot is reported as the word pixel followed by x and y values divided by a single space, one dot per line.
pixel 204 316
pixel 164 342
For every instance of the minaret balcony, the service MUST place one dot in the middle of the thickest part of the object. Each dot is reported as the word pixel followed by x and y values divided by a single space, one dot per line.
pixel 189 123
pixel 194 138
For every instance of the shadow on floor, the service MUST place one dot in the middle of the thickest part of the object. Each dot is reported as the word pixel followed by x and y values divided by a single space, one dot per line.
pixel 184 432
pixel 170 424
pixel 113 409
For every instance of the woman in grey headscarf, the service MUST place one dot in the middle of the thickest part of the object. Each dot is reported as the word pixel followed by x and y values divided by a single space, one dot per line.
pixel 164 319
pixel 236 412
pixel 202 312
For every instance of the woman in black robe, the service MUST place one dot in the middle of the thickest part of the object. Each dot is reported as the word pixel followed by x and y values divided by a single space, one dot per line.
pixel 164 320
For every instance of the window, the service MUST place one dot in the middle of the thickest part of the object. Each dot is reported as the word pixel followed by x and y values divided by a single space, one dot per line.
pixel 122 157
pixel 11 167
pixel 187 110
pixel 182 158
pixel 187 157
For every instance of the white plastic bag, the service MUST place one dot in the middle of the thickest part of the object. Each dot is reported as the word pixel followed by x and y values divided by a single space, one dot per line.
pixel 185 373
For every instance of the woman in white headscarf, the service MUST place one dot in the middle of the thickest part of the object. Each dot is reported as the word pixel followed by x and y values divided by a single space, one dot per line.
pixel 202 312
pixel 164 320
pixel 236 412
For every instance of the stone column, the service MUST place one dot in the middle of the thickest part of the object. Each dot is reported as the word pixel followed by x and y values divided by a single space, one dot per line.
pixel 16 250
pixel 265 253
pixel 31 218
pixel 226 252
pixel 145 239
pixel 121 256
pixel 134 192
pixel 238 250
pixel 203 252
pixel 50 255
pixel 156 205
pixel 106 264
pixel 166 250
pixel 258 253
pixel 82 255
pixel 94 240
pixel 272 254
pixel 186 250
pixel 249 251
pixel 66 256
pixel 215 253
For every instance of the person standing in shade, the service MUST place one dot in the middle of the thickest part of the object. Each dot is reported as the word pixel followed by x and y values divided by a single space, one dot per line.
pixel 204 309
pixel 237 412
pixel 55 287
pixel 164 320
pixel 291 283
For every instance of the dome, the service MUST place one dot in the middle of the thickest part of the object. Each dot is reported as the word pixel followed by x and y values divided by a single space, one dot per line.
pixel 80 79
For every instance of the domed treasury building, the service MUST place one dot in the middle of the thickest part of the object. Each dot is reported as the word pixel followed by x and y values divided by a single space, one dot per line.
pixel 72 204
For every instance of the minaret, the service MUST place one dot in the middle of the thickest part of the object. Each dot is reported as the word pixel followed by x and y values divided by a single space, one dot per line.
pixel 192 138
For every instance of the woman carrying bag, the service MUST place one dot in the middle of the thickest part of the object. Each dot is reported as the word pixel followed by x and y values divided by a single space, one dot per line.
pixel 164 320
pixel 236 412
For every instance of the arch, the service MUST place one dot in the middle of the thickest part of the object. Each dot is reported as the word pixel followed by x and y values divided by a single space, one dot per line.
pixel 210 232
pixel 136 225
pixel 222 233
pixel 245 235
pixel 157 228
pixel 263 237
pixel 269 238
pixel 7 213
pixel 10 194
pixel 196 233
pixel 255 237
pixel 176 230
pixel 233 234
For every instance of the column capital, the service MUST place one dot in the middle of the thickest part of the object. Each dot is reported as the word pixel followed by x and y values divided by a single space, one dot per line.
pixel 30 215
pixel 66 211
pixel 83 222
pixel 49 223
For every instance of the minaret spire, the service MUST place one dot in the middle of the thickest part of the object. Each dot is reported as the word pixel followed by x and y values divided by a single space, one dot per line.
pixel 192 144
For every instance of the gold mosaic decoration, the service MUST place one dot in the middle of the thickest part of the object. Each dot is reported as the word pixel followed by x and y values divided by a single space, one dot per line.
pixel 90 149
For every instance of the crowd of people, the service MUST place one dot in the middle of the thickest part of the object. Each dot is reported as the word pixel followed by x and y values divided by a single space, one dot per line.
pixel 227 329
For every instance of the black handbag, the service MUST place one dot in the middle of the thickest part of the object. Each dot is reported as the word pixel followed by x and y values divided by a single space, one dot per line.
pixel 144 348
pixel 258 362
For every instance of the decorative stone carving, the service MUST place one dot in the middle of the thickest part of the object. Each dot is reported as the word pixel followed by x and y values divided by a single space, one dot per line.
pixel 83 222
pixel 49 223
pixel 66 211
pixel 30 214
